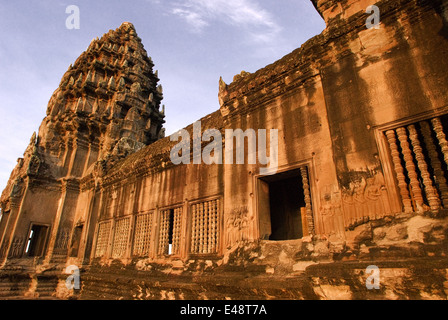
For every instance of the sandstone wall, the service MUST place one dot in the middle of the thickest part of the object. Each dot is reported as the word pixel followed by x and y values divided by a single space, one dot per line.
pixel 362 122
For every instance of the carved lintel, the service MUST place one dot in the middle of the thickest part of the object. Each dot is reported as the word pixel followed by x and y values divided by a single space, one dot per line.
pixel 431 192
pixel 410 167
pixel 399 170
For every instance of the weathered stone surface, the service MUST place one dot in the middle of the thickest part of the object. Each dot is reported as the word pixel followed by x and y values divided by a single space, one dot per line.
pixel 362 121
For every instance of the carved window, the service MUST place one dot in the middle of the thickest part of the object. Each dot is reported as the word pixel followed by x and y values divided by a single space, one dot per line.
pixel 419 154
pixel 37 240
pixel 102 238
pixel 205 227
pixel 169 232
pixel 142 235
pixel 121 237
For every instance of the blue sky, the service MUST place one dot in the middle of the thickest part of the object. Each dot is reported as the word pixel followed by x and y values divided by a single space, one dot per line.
pixel 192 43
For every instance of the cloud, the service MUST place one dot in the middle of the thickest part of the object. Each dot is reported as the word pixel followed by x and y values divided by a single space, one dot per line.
pixel 194 19
pixel 238 13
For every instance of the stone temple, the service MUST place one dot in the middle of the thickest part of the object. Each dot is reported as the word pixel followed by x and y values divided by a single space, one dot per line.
pixel 362 120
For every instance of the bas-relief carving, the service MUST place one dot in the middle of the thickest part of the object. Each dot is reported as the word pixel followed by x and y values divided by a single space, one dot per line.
pixel 238 225
pixel 16 247
pixel 364 197
pixel 331 211
pixel 62 239
pixel 4 248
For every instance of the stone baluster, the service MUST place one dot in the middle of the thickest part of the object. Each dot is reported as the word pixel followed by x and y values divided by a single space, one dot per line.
pixel 307 196
pixel 435 163
pixel 399 170
pixel 174 239
pixel 213 227
pixel 410 167
pixel 164 227
pixel 217 229
pixel 431 191
pixel 201 228
pixel 179 227
pixel 176 229
pixel 194 241
pixel 205 249
pixel 162 223
pixel 438 128
pixel 162 233
pixel 210 225
pixel 167 231
pixel 206 226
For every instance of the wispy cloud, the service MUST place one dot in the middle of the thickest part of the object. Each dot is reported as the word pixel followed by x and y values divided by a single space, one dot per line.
pixel 194 19
pixel 246 14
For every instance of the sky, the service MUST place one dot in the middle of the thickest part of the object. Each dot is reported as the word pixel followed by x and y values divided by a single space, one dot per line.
pixel 192 43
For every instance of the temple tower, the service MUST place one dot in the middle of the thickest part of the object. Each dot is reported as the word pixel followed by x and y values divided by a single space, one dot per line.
pixel 106 107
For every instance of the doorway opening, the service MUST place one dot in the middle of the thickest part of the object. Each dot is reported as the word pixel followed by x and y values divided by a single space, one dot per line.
pixel 36 241
pixel 282 206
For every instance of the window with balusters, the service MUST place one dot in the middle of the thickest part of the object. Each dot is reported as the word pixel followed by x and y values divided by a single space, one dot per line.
pixel 205 230
pixel 142 234
pixel 419 154
pixel 203 238
pixel 102 240
pixel 121 237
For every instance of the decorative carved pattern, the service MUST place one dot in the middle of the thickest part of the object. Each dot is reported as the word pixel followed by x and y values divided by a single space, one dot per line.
pixel 205 227
pixel 430 190
pixel 102 240
pixel 307 195
pixel 121 237
pixel 435 163
pixel 142 236
pixel 410 167
pixel 399 170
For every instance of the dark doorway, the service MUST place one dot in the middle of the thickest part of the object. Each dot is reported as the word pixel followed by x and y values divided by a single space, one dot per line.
pixel 281 206
pixel 37 241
